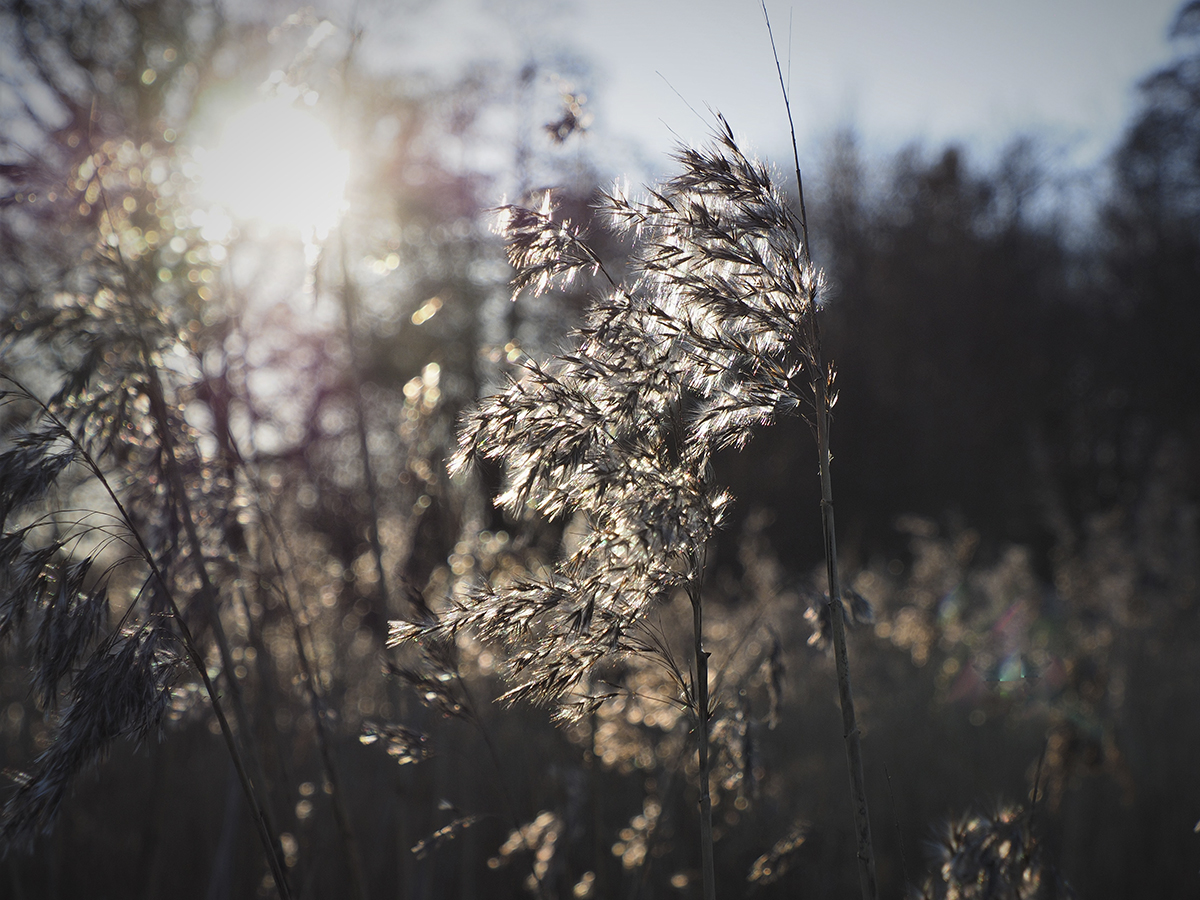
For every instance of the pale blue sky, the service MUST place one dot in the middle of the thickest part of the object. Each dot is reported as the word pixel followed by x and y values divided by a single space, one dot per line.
pixel 936 71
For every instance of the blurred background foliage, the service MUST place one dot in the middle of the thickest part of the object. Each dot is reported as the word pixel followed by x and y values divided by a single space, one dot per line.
pixel 1016 453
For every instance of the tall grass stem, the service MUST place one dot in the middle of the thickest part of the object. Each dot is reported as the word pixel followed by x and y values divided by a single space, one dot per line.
pixel 700 698
pixel 850 730
pixel 821 379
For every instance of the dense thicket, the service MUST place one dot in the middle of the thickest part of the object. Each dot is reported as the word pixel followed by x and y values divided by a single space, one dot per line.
pixel 1015 445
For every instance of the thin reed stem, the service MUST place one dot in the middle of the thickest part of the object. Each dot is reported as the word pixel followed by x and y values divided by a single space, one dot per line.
pixel 349 303
pixel 349 298
pixel 850 729
pixel 700 700
pixel 310 680
pixel 208 590
pixel 510 803
pixel 276 538
pixel 821 380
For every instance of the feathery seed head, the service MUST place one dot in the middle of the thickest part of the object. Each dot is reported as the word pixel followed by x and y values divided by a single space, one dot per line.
pixel 991 857
pixel 708 339
pixel 123 690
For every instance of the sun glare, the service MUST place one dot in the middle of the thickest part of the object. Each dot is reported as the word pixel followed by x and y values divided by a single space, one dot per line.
pixel 276 164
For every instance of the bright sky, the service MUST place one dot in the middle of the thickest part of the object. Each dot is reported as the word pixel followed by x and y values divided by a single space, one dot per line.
pixel 976 71
pixel 973 71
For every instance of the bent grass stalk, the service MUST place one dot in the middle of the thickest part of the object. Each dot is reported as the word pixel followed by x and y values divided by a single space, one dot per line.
pixel 150 386
pixel 259 813
pixel 208 590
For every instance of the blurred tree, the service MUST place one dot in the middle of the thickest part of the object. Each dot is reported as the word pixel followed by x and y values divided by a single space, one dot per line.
pixel 952 326
pixel 1152 229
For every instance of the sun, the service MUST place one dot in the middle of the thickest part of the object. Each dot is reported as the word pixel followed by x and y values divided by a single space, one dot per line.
pixel 276 164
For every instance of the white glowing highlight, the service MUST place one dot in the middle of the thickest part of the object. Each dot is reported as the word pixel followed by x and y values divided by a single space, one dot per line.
pixel 276 164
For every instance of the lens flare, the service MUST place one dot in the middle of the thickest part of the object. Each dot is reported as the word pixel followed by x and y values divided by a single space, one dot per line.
pixel 276 164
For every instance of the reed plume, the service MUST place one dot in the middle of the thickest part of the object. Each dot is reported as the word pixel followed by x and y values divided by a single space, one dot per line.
pixel 712 335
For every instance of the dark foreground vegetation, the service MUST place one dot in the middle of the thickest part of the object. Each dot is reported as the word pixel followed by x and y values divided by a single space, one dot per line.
pixel 255 634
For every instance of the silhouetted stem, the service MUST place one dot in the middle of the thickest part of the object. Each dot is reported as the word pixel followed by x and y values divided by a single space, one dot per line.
pixel 821 380
pixel 700 697
pixel 510 804
pixel 349 309
pixel 309 679
pixel 208 590
pixel 850 732
pixel 267 831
